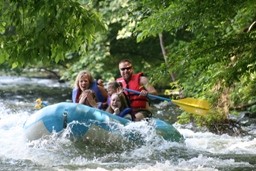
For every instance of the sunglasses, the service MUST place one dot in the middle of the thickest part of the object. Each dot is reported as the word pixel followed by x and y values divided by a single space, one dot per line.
pixel 127 68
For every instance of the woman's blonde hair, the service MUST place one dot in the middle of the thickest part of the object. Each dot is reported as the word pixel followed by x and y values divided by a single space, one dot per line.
pixel 80 75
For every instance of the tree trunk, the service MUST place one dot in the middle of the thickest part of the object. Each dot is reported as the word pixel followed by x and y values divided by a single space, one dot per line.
pixel 164 53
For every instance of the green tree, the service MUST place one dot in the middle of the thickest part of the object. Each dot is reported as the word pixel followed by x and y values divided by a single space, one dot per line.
pixel 207 47
pixel 218 43
pixel 45 31
pixel 121 18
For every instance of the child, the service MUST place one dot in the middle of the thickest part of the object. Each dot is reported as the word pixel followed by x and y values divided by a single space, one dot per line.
pixel 115 87
pixel 119 107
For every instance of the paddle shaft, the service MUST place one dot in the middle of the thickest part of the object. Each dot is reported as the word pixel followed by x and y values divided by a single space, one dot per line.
pixel 149 95
pixel 188 104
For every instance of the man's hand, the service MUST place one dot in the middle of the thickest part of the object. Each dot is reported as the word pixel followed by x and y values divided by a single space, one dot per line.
pixel 143 93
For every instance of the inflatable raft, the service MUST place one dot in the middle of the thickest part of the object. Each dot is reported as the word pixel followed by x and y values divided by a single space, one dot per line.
pixel 86 122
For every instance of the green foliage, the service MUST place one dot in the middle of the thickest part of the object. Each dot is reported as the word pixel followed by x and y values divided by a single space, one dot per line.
pixel 218 50
pixel 208 47
pixel 208 120
pixel 44 30
pixel 119 42
pixel 213 47
pixel 243 92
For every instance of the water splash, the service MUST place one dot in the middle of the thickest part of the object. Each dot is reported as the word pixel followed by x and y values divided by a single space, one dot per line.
pixel 201 151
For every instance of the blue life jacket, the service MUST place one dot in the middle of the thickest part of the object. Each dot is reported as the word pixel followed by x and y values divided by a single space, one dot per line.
pixel 125 112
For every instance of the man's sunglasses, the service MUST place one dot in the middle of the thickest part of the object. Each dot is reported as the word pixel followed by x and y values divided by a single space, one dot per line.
pixel 127 68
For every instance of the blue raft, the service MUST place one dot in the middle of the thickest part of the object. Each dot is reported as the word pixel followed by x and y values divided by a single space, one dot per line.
pixel 84 121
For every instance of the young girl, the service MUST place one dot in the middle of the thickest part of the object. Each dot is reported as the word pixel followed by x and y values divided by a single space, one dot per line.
pixel 116 87
pixel 118 106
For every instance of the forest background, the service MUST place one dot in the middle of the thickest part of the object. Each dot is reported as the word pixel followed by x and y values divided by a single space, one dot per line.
pixel 202 49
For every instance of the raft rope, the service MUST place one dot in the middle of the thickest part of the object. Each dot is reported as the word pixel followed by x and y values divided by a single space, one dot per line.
pixel 65 119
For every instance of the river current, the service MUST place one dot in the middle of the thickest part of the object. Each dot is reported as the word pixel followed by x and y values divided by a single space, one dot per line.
pixel 201 150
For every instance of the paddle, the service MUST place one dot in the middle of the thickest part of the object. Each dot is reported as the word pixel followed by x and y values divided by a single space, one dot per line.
pixel 190 105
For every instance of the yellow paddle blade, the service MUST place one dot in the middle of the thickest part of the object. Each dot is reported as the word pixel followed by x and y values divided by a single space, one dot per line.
pixel 194 110
pixel 193 105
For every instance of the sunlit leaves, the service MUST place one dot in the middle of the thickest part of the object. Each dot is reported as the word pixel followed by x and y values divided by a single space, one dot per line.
pixel 213 42
pixel 45 30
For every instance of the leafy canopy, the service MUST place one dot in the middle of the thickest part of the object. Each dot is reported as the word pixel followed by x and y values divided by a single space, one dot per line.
pixel 45 30
pixel 209 45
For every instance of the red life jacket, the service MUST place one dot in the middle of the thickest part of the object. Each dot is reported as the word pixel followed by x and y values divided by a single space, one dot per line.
pixel 136 101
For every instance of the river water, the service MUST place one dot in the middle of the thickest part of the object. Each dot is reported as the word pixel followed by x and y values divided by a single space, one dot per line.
pixel 201 151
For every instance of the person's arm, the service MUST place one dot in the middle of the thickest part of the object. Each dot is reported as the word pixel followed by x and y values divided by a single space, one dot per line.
pixel 149 88
pixel 103 92
pixel 87 98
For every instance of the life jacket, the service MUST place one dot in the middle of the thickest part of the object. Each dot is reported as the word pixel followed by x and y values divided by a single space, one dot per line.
pixel 109 100
pixel 136 101
pixel 76 92
pixel 127 111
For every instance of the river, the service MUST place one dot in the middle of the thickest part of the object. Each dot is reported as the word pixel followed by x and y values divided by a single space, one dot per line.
pixel 201 151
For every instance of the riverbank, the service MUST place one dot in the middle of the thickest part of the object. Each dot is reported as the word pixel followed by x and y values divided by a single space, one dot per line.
pixel 32 73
